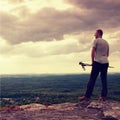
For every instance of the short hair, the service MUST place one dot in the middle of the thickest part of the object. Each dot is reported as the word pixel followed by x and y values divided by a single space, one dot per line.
pixel 100 32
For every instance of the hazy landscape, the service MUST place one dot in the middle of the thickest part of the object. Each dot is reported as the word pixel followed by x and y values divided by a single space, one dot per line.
pixel 49 89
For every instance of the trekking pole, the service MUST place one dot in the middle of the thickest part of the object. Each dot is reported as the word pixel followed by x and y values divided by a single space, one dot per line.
pixel 85 64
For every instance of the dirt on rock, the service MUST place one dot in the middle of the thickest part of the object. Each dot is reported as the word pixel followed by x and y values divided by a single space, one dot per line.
pixel 86 110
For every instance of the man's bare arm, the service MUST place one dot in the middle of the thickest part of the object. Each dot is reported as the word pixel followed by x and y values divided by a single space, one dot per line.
pixel 108 52
pixel 92 54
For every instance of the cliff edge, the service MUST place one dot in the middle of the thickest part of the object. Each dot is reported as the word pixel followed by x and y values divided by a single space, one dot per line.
pixel 85 110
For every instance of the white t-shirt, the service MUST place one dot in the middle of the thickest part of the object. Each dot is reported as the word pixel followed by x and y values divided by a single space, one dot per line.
pixel 101 49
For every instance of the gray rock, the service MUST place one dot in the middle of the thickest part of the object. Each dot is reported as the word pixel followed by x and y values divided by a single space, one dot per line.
pixel 86 110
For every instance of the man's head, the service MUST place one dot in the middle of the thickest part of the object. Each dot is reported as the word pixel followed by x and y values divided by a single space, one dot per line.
pixel 98 33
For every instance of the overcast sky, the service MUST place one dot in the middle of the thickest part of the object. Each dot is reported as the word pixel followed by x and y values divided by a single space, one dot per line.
pixel 52 36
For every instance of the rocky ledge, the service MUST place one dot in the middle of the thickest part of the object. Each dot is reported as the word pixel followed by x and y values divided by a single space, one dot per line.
pixel 85 110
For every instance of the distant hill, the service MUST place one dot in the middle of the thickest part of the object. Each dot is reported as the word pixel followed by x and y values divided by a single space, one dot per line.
pixel 53 89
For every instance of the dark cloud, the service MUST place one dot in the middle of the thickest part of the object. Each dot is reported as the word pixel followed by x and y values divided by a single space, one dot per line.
pixel 49 24
pixel 104 12
pixel 96 4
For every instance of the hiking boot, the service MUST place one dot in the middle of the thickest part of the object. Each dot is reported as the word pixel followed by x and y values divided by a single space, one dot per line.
pixel 101 98
pixel 83 98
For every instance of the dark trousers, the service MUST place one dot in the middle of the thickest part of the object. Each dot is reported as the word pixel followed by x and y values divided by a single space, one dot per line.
pixel 96 69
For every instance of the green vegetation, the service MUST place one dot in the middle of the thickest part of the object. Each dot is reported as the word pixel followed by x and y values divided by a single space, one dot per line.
pixel 49 89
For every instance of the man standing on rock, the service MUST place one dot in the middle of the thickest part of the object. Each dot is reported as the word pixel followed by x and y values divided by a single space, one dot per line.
pixel 99 56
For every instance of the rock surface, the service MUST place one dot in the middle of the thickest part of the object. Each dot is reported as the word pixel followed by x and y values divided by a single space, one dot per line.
pixel 85 110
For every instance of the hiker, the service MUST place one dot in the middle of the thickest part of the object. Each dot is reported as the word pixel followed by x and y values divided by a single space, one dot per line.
pixel 99 56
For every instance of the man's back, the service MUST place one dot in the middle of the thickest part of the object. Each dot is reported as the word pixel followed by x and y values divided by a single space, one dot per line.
pixel 101 50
